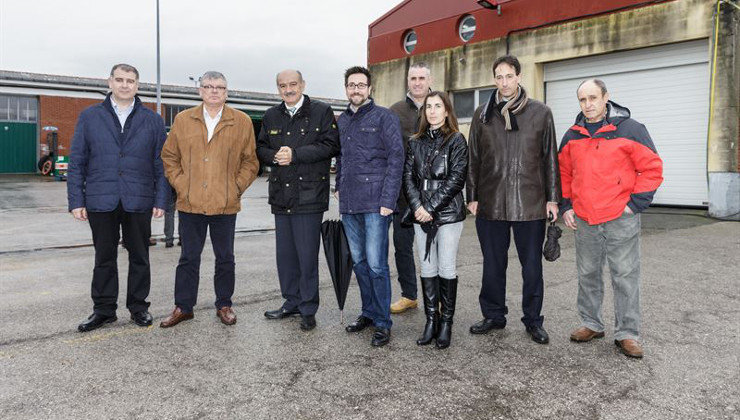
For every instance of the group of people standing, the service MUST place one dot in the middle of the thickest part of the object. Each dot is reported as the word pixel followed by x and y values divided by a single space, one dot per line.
pixel 406 166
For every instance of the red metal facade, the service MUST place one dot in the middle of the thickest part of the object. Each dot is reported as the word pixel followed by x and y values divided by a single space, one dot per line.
pixel 436 22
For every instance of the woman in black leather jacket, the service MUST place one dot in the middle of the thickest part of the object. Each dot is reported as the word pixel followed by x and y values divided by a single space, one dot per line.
pixel 433 179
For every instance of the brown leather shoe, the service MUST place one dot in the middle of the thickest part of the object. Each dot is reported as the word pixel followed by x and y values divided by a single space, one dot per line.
pixel 630 348
pixel 583 335
pixel 226 315
pixel 175 318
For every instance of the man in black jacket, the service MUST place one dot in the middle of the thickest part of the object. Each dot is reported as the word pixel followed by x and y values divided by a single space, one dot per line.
pixel 419 81
pixel 298 138
pixel 513 184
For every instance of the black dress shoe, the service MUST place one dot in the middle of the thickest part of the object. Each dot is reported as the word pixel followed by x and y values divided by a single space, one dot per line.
pixel 308 322
pixel 281 313
pixel 142 318
pixel 360 324
pixel 95 321
pixel 538 334
pixel 381 337
pixel 169 244
pixel 487 325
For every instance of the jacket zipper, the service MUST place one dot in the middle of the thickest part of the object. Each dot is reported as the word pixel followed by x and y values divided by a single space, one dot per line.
pixel 190 173
pixel 228 161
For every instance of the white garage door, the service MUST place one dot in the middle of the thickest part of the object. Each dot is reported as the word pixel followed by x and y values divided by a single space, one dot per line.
pixel 667 89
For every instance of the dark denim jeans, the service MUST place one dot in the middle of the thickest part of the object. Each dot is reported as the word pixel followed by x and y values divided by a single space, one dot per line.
pixel 403 243
pixel 367 234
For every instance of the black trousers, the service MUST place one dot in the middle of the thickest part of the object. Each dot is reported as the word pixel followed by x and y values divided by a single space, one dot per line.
pixel 106 227
pixel 192 229
pixel 495 237
pixel 297 240
pixel 403 244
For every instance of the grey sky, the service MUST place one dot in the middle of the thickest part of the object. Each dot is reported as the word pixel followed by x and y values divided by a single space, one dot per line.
pixel 249 40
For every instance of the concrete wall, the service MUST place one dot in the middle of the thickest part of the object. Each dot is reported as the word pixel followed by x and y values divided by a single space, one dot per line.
pixel 469 66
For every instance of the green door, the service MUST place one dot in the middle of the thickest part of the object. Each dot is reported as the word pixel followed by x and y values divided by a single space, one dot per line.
pixel 17 147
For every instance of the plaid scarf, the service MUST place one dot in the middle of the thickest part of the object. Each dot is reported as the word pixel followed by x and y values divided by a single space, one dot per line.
pixel 508 108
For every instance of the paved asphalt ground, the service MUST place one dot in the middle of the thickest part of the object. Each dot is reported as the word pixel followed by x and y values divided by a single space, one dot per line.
pixel 260 369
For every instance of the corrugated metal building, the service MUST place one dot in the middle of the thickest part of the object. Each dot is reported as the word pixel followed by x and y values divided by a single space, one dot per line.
pixel 658 58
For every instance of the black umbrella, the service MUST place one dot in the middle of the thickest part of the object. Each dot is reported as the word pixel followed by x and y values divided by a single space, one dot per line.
pixel 338 258
pixel 551 251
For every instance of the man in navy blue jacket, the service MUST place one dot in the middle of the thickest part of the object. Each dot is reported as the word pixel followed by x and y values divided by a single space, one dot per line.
pixel 368 182
pixel 116 181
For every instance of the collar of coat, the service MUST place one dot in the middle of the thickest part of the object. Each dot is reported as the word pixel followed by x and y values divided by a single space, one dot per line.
pixel 109 105
pixel 304 109
pixel 362 109
pixel 226 115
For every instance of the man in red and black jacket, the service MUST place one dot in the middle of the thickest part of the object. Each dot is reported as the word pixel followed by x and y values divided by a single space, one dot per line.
pixel 610 171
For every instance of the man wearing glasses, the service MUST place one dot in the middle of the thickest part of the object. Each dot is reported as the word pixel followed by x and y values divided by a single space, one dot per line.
pixel 368 182
pixel 209 158
pixel 299 137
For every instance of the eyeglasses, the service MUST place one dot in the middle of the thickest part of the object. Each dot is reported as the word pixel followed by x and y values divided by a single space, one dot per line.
pixel 361 86
pixel 216 88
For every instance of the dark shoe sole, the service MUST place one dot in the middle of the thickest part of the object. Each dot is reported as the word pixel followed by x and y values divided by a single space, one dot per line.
pixel 486 331
pixel 621 350
pixel 107 321
pixel 599 335
pixel 305 327
pixel 142 324
pixel 379 343
pixel 282 316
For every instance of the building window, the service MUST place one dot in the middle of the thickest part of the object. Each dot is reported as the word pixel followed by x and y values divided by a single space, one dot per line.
pixel 171 111
pixel 466 30
pixel 18 108
pixel 409 41
pixel 467 101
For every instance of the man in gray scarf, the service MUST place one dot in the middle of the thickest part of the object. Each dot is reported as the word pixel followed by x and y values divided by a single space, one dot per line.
pixel 513 185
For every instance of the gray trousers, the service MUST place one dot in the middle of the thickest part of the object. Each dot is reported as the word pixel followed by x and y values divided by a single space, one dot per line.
pixel 616 242
pixel 443 253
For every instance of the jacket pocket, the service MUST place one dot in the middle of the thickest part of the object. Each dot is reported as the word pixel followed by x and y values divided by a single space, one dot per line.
pixel 275 193
pixel 313 189
pixel 368 188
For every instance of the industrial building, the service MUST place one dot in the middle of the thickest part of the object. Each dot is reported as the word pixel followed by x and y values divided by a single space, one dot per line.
pixel 658 58
pixel 29 102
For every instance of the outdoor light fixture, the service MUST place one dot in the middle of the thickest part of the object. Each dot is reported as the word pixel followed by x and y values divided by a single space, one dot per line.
pixel 490 5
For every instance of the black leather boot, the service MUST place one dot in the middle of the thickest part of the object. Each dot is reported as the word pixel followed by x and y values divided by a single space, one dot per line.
pixel 448 297
pixel 430 289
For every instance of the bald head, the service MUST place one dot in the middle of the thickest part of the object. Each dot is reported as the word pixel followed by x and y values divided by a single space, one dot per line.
pixel 290 86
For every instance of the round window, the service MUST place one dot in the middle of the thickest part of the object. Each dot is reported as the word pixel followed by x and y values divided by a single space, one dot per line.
pixel 466 30
pixel 409 41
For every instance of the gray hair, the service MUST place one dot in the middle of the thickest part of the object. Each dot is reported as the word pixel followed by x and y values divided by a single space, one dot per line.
pixel 212 75
pixel 300 75
pixel 125 67
pixel 598 82
pixel 421 65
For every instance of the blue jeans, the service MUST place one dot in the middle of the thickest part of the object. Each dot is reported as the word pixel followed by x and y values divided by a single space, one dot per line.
pixel 367 234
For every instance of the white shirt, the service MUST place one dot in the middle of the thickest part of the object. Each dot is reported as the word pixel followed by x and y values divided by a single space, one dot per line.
pixel 293 109
pixel 121 112
pixel 211 123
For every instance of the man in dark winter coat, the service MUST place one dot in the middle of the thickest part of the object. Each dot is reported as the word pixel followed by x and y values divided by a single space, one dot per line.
pixel 116 181
pixel 419 81
pixel 513 184
pixel 610 171
pixel 368 182
pixel 299 137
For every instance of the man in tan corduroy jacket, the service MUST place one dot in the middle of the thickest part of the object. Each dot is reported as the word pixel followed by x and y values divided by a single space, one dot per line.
pixel 209 159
